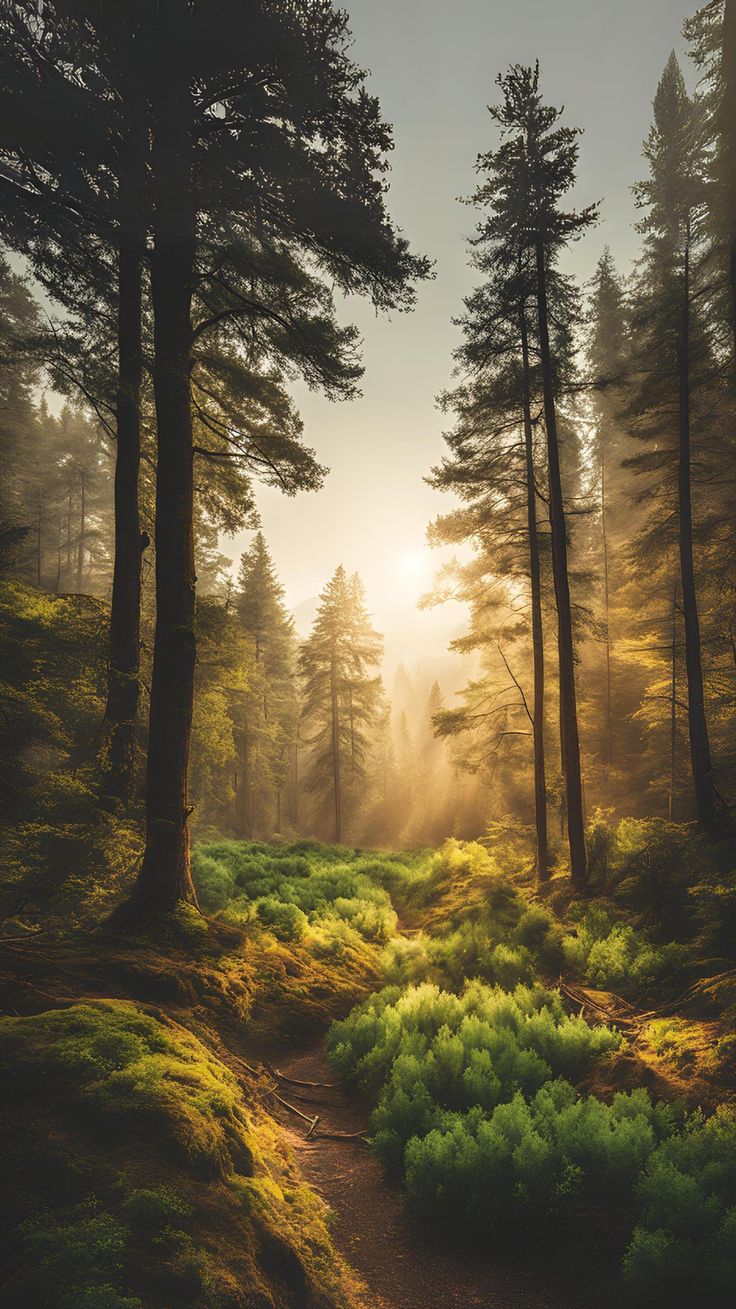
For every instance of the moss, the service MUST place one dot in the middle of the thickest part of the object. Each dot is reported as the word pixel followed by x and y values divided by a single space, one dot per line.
pixel 142 1173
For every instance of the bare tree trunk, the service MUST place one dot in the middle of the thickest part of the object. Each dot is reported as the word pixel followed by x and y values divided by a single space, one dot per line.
pixel 540 778
pixel 700 757
pixel 673 708
pixel 728 147
pixel 608 734
pixel 123 686
pixel 69 536
pixel 568 704
pixel 336 780
pixel 39 526
pixel 82 530
pixel 57 579
pixel 165 876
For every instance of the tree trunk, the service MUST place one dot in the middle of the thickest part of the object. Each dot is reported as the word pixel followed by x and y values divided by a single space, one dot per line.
pixel 57 579
pixel 700 759
pixel 673 708
pixel 608 733
pixel 728 148
pixel 568 705
pixel 540 779
pixel 123 686
pixel 165 876
pixel 39 526
pixel 336 781
pixel 82 530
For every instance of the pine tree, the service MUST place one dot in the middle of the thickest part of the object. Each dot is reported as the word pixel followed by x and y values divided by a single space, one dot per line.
pixel 668 409
pixel 268 731
pixel 226 90
pixel 607 358
pixel 341 696
pixel 520 364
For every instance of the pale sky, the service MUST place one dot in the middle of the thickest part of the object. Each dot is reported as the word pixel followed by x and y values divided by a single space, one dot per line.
pixel 433 65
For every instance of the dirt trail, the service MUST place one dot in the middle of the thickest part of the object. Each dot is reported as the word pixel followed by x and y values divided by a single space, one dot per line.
pixel 371 1229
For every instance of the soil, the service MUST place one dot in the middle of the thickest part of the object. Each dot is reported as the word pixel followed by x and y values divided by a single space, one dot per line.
pixel 401 1267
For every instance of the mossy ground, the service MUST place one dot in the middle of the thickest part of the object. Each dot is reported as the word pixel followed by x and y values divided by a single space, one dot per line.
pixel 145 1170
pixel 142 1172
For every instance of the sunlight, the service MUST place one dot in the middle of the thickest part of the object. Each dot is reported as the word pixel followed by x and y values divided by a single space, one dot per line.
pixel 414 565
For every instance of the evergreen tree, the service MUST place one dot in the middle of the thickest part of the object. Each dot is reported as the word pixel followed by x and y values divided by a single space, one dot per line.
pixel 607 357
pixel 276 87
pixel 269 718
pixel 341 696
pixel 669 407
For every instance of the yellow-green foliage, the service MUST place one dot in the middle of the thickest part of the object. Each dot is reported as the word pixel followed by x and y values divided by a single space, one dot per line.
pixel 59 852
pixel 138 1174
pixel 476 924
pixel 617 956
pixel 328 896
pixel 423 1051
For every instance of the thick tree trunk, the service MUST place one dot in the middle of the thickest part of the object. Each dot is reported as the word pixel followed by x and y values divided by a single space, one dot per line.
pixel 165 876
pixel 568 705
pixel 700 759
pixel 540 778
pixel 123 686
pixel 336 779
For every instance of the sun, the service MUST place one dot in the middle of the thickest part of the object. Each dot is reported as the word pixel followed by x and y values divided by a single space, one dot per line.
pixel 412 563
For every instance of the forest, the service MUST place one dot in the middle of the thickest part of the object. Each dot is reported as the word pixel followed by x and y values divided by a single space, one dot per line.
pixel 330 980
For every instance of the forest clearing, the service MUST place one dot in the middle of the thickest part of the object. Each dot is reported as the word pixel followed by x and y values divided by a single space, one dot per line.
pixel 367 654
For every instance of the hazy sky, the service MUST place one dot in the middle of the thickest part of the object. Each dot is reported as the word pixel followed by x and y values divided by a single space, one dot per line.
pixel 433 64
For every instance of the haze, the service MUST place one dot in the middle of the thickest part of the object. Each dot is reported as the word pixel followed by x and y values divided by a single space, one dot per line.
pixel 433 66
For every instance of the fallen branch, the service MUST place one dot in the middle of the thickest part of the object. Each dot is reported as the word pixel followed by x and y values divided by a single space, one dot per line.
pixel 296 1081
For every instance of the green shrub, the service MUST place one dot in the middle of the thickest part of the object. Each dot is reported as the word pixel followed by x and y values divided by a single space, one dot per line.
pixel 422 1051
pixel 302 889
pixel 683 1250
pixel 533 1162
pixel 77 1259
pixel 616 956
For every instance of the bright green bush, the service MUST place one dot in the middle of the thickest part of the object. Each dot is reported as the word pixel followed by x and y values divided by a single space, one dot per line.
pixel 302 889
pixel 423 1051
pixel 617 956
pixel 683 1250
pixel 532 1162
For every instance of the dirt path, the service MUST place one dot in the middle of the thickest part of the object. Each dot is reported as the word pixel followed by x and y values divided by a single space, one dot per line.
pixel 371 1228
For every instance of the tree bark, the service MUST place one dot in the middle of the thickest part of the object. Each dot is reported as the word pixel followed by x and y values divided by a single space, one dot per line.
pixel 700 758
pixel 123 686
pixel 728 148
pixel 673 708
pixel 540 779
pixel 568 704
pixel 165 876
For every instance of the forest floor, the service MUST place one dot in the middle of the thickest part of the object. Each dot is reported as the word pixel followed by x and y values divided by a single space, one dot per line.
pixel 401 1267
